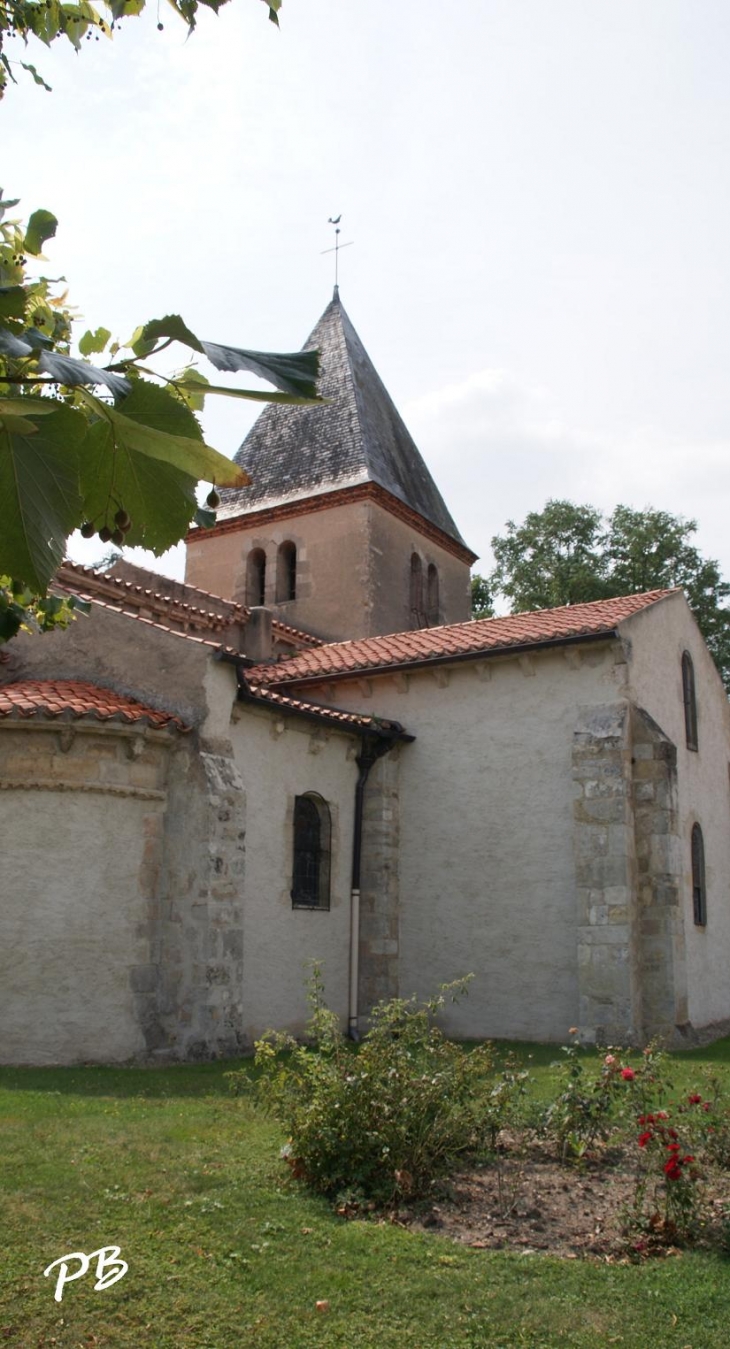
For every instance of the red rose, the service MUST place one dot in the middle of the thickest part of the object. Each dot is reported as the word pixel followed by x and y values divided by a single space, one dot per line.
pixel 695 1099
pixel 645 1138
pixel 628 1074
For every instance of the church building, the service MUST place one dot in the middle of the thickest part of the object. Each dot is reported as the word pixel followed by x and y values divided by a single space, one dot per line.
pixel 307 751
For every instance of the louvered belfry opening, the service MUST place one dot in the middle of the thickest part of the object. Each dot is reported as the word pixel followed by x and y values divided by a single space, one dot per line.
pixel 256 577
pixel 311 871
pixel 286 572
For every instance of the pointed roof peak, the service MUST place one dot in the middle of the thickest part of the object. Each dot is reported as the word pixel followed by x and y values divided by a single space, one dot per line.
pixel 356 436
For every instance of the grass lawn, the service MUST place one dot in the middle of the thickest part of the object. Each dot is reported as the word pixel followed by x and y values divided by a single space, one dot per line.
pixel 224 1251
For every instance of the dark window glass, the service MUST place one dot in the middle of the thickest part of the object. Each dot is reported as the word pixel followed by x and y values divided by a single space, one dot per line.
pixel 256 580
pixel 286 572
pixel 699 889
pixel 311 872
pixel 690 701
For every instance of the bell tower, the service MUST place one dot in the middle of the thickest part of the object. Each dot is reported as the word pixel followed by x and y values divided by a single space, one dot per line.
pixel 342 531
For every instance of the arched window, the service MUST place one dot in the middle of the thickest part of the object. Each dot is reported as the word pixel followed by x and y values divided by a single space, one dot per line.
pixel 417 614
pixel 286 572
pixel 432 594
pixel 256 577
pixel 690 700
pixel 312 835
pixel 699 889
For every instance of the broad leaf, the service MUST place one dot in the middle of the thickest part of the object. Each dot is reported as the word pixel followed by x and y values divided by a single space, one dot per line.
pixel 71 372
pixel 13 301
pixel 171 326
pixel 13 346
pixel 256 395
pixel 150 405
pixel 190 456
pixel 41 226
pixel 38 78
pixel 40 492
pixel 159 498
pixel 293 373
pixel 193 386
pixel 94 342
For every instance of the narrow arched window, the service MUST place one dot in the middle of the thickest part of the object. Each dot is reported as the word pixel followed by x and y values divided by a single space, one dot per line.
pixel 256 577
pixel 417 590
pixel 432 594
pixel 312 835
pixel 286 572
pixel 699 888
pixel 690 700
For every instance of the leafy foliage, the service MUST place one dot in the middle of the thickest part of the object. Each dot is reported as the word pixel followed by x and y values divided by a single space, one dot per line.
pixel 76 20
pixel 385 1122
pixel 482 605
pixel 111 447
pixel 568 554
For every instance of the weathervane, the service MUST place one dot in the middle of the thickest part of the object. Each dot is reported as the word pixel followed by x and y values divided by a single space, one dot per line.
pixel 336 250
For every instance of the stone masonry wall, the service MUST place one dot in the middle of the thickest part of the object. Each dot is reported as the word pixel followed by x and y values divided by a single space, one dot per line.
pixel 201 971
pixel 379 888
pixel 659 879
pixel 608 955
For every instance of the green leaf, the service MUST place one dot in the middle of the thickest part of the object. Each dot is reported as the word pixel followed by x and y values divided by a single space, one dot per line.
pixel 173 327
pixel 159 498
pixel 39 490
pixel 41 226
pixel 38 78
pixel 13 302
pixel 72 373
pixel 295 372
pixel 139 344
pixel 188 455
pixel 150 405
pixel 93 342
pixel 256 395
pixel 193 385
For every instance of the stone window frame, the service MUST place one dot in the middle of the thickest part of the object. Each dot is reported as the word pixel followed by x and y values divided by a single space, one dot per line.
pixel 432 594
pixel 286 571
pixel 699 876
pixel 689 699
pixel 311 852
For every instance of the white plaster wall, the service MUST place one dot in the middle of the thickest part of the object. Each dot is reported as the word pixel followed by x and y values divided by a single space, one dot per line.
pixel 487 881
pixel 658 636
pixel 279 759
pixel 71 903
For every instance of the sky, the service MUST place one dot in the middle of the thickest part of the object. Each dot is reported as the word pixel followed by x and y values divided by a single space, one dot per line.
pixel 537 195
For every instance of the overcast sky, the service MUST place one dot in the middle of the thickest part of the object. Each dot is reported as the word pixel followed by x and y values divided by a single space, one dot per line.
pixel 537 191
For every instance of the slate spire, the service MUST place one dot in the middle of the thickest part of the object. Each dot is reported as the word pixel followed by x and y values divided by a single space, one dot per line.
pixel 358 436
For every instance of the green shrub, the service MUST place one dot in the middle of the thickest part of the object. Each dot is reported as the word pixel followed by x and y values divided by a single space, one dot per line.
pixel 384 1122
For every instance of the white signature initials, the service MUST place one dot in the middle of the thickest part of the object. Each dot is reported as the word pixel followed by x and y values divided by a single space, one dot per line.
pixel 108 1261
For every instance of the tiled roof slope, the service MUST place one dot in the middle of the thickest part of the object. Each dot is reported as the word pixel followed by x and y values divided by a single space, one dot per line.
pixel 486 635
pixel 334 716
pixel 199 612
pixel 358 436
pixel 70 698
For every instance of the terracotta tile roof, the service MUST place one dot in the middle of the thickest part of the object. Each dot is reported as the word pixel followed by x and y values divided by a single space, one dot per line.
pixel 355 721
pixel 485 636
pixel 203 613
pixel 70 698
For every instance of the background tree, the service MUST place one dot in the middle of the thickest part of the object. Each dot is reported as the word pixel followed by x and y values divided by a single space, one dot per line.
pixel 553 558
pixel 568 554
pixel 482 605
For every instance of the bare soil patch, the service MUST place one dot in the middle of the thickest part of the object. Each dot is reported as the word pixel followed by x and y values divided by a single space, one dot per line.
pixel 531 1202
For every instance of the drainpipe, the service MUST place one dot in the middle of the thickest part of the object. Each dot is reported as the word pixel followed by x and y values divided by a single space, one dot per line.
pixel 371 750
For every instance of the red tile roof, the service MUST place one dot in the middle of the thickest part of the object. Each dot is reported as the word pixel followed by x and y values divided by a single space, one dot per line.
pixel 484 636
pixel 72 698
pixel 210 614
pixel 355 721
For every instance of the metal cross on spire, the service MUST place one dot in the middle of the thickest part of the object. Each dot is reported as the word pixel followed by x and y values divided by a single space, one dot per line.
pixel 336 250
